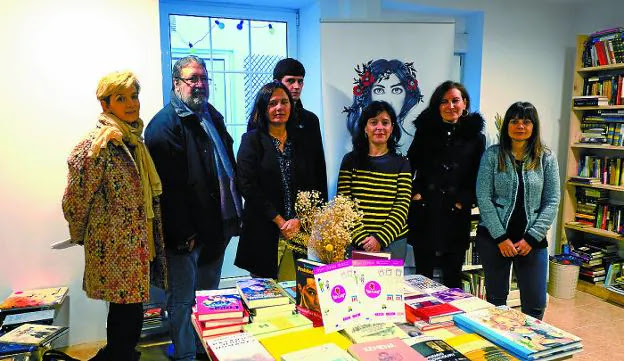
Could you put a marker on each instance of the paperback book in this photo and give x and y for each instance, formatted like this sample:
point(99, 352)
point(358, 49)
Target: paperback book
point(262, 292)
point(374, 331)
point(419, 284)
point(36, 298)
point(307, 294)
point(325, 352)
point(434, 349)
point(476, 348)
point(379, 284)
point(33, 334)
point(42, 317)
point(278, 325)
point(7, 349)
point(218, 304)
point(391, 349)
point(237, 347)
point(302, 339)
point(522, 335)
point(338, 296)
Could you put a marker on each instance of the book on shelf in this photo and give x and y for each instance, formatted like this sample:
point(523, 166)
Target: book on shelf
point(217, 304)
point(584, 180)
point(374, 331)
point(13, 320)
point(522, 335)
point(338, 295)
point(434, 349)
point(33, 334)
point(236, 347)
point(590, 100)
point(324, 352)
point(34, 298)
point(306, 292)
point(204, 331)
point(390, 349)
point(278, 325)
point(294, 341)
point(261, 292)
point(475, 347)
point(379, 283)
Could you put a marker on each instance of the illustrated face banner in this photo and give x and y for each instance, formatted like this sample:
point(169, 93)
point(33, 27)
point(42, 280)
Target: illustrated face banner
point(400, 63)
point(392, 81)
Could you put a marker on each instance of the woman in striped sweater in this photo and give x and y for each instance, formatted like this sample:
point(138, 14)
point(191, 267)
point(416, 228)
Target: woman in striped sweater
point(380, 179)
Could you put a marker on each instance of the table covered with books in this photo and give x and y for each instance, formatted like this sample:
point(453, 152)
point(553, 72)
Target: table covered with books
point(367, 309)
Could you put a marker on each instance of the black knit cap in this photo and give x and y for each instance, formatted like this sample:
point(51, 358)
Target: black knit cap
point(288, 66)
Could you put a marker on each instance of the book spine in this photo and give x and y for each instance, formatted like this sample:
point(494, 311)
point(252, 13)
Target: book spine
point(465, 322)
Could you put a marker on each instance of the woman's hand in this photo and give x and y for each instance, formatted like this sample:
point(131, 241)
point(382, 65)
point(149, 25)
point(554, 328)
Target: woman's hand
point(523, 247)
point(290, 228)
point(371, 244)
point(458, 206)
point(507, 248)
point(417, 197)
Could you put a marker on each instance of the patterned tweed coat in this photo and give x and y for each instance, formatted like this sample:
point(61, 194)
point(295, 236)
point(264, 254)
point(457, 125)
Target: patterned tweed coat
point(103, 204)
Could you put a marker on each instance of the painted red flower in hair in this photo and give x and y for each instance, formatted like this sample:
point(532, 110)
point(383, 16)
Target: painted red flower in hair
point(412, 84)
point(367, 79)
point(357, 90)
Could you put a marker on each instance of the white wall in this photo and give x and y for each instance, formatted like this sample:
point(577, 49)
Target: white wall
point(53, 55)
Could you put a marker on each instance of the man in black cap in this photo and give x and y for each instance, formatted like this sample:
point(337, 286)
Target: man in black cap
point(291, 72)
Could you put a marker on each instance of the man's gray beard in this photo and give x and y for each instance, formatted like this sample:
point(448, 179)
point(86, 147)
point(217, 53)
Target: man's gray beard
point(194, 102)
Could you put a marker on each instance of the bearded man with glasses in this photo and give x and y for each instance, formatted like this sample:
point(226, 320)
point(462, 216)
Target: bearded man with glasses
point(201, 206)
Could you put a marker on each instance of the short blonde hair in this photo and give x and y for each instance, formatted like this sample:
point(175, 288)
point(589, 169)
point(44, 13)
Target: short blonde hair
point(114, 82)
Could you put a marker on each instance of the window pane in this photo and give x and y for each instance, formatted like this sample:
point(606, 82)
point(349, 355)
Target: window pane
point(268, 38)
point(229, 43)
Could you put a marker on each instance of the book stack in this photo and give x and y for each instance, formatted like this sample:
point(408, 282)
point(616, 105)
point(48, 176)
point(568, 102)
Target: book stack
point(604, 47)
point(523, 336)
point(306, 295)
point(435, 349)
point(265, 299)
point(591, 257)
point(374, 332)
point(590, 100)
point(218, 313)
point(415, 285)
point(588, 203)
point(603, 126)
point(475, 347)
point(614, 280)
point(33, 334)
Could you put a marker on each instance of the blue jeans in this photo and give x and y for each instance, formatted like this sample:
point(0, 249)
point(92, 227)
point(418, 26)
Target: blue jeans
point(185, 276)
point(530, 271)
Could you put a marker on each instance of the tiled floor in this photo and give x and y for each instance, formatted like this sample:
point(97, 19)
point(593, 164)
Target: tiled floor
point(598, 323)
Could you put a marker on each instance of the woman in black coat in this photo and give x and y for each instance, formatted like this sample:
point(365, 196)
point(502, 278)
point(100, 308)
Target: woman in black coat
point(272, 168)
point(444, 156)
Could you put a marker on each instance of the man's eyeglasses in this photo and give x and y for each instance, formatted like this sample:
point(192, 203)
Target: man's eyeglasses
point(195, 79)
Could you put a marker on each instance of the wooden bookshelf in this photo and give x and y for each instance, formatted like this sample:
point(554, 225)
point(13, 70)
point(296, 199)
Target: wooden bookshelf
point(597, 186)
point(597, 146)
point(594, 231)
point(572, 231)
point(599, 107)
point(599, 290)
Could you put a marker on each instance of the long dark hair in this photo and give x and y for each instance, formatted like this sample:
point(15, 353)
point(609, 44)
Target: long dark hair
point(360, 141)
point(258, 117)
point(534, 148)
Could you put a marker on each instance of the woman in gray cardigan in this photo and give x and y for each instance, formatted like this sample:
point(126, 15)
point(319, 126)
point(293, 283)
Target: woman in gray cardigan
point(518, 197)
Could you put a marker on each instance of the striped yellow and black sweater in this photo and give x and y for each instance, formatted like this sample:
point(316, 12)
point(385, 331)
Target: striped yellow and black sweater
point(383, 190)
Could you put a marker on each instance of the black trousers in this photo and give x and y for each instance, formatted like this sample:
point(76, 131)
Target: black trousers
point(123, 330)
point(449, 262)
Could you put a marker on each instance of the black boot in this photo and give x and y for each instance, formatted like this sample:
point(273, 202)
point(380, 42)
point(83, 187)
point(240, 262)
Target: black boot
point(100, 356)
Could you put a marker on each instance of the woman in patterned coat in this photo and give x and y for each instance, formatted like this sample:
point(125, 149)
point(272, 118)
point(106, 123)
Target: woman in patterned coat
point(111, 205)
